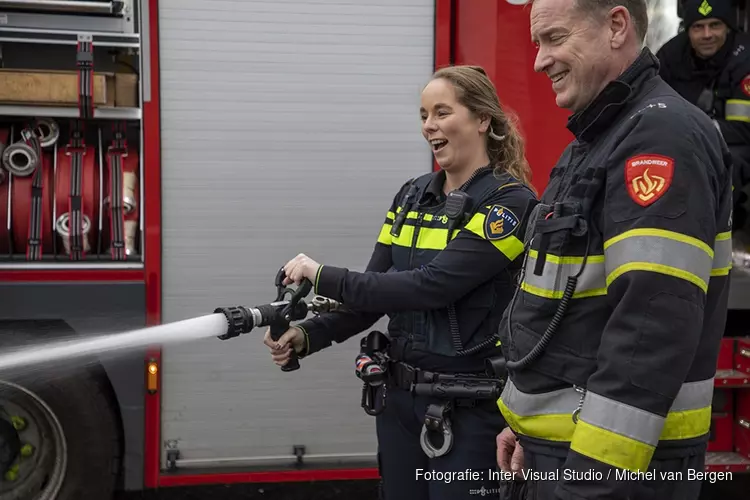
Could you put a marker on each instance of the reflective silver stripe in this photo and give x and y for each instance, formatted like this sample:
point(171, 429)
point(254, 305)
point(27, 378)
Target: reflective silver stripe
point(694, 395)
point(563, 401)
point(723, 252)
point(691, 396)
point(621, 418)
point(659, 251)
point(556, 272)
point(737, 108)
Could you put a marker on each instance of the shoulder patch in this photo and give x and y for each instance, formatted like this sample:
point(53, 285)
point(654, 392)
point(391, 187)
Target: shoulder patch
point(648, 177)
point(500, 223)
point(745, 85)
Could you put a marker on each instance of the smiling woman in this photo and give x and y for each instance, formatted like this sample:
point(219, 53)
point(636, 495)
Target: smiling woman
point(443, 269)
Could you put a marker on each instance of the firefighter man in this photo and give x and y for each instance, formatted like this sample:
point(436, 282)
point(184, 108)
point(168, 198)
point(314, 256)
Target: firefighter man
point(709, 65)
point(612, 340)
point(444, 274)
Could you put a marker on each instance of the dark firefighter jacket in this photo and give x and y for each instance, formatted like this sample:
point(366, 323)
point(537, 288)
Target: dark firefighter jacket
point(442, 297)
point(720, 86)
point(638, 208)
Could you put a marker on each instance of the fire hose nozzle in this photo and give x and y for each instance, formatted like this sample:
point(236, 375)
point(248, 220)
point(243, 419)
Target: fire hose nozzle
point(239, 320)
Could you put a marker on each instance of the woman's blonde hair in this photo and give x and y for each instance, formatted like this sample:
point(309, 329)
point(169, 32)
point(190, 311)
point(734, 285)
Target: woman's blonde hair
point(505, 145)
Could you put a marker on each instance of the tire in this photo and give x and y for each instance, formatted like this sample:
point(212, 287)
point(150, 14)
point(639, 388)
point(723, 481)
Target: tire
point(79, 446)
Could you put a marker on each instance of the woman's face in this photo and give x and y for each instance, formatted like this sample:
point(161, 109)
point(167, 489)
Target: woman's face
point(456, 137)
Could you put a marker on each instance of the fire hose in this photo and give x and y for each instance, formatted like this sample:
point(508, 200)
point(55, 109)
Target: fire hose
point(77, 185)
point(4, 198)
point(278, 314)
point(26, 193)
point(120, 206)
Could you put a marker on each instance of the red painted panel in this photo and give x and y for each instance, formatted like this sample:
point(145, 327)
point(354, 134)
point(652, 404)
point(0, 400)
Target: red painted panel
point(152, 237)
point(269, 477)
point(495, 35)
point(742, 422)
point(443, 32)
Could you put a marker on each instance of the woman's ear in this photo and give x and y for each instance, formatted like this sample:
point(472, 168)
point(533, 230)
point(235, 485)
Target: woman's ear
point(484, 123)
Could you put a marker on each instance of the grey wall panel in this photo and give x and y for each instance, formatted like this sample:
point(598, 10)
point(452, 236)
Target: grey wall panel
point(287, 127)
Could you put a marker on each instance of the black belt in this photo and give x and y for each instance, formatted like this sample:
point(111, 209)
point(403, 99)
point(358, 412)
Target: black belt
point(404, 376)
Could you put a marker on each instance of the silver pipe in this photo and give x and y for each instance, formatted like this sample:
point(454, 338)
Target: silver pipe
point(60, 6)
point(239, 461)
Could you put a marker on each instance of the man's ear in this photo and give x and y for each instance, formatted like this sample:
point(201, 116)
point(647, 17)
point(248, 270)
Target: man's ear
point(619, 21)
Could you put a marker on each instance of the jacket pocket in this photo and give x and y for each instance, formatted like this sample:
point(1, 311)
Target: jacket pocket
point(557, 360)
point(659, 361)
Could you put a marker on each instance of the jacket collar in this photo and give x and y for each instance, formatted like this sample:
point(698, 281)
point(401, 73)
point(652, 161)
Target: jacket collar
point(593, 120)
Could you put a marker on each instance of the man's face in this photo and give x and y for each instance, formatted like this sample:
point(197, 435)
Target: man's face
point(708, 36)
point(574, 51)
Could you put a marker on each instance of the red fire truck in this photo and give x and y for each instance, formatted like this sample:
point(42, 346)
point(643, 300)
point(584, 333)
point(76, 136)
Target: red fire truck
point(162, 158)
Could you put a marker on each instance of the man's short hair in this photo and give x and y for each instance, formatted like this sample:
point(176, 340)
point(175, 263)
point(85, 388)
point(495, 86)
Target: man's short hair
point(637, 8)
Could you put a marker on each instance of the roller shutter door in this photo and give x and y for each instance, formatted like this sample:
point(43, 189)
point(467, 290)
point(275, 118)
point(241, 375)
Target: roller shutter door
point(287, 127)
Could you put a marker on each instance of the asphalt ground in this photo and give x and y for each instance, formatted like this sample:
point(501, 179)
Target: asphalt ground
point(737, 489)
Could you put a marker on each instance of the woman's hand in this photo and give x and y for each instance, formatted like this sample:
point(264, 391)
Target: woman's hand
point(281, 349)
point(299, 268)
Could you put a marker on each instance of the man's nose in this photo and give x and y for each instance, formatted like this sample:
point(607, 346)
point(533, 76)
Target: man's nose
point(542, 60)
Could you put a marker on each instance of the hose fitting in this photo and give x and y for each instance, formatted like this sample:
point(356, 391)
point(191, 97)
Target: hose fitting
point(239, 321)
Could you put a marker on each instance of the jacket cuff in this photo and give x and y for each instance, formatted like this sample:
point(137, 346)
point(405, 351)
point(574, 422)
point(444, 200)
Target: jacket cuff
point(313, 342)
point(330, 282)
point(306, 347)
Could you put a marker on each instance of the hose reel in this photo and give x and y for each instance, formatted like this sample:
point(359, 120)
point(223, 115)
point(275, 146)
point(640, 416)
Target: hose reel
point(63, 229)
point(20, 159)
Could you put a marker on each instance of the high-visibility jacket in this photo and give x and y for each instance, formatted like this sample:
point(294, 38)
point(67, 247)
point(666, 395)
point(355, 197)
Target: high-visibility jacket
point(638, 208)
point(444, 283)
point(720, 86)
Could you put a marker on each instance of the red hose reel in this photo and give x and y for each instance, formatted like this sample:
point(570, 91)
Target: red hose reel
point(67, 194)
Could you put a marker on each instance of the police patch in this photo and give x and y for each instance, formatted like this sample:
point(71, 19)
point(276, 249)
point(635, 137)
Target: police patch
point(500, 223)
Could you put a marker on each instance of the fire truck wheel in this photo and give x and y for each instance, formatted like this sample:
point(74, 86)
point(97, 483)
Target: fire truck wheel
point(69, 432)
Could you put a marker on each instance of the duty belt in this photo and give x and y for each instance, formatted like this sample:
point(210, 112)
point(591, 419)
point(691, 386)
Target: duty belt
point(378, 372)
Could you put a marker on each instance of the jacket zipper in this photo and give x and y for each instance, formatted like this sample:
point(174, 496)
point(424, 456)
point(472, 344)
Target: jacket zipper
point(415, 236)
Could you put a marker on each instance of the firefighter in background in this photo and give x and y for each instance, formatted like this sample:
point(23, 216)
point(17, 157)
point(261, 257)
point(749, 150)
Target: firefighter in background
point(612, 341)
point(444, 298)
point(709, 65)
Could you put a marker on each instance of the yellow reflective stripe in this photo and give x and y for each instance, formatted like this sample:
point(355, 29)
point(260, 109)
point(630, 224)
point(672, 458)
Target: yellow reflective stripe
point(385, 235)
point(722, 263)
point(687, 424)
point(544, 416)
point(551, 284)
point(549, 415)
point(737, 110)
point(611, 448)
point(510, 246)
point(659, 251)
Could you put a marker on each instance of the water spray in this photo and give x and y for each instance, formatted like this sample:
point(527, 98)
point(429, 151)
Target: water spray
point(278, 314)
point(224, 323)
